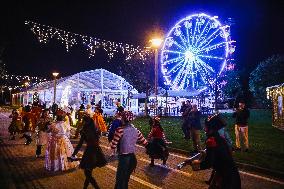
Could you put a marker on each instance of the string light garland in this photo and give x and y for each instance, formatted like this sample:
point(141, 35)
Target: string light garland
point(17, 81)
point(44, 33)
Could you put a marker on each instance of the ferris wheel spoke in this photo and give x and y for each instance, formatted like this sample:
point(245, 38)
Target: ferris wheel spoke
point(208, 42)
point(202, 33)
point(193, 35)
point(177, 79)
point(204, 65)
point(206, 77)
point(210, 36)
point(178, 45)
point(176, 66)
point(181, 36)
point(174, 52)
point(210, 57)
point(185, 76)
point(212, 47)
point(173, 60)
point(187, 37)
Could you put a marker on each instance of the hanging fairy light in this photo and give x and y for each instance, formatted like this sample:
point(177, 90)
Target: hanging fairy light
point(44, 33)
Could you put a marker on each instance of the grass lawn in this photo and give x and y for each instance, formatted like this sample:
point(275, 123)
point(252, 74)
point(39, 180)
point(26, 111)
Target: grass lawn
point(266, 142)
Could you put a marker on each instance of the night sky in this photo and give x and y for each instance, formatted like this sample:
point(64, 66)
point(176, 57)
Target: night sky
point(258, 30)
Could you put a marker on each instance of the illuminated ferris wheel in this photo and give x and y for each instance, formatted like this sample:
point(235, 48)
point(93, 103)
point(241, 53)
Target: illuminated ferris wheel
point(195, 52)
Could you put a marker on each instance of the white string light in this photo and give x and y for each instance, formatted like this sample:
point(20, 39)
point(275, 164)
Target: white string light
point(20, 80)
point(44, 33)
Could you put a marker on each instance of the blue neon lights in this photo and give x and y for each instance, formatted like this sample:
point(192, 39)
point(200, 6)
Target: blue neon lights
point(194, 51)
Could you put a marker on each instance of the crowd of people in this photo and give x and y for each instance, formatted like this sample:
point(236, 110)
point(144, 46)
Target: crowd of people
point(54, 132)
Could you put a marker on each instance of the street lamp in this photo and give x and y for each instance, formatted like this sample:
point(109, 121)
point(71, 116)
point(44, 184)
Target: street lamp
point(26, 85)
point(156, 43)
point(10, 89)
point(55, 74)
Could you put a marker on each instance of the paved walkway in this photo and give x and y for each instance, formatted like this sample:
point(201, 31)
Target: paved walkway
point(20, 169)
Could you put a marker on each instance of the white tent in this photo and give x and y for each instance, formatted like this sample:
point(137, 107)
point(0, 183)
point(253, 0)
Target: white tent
point(92, 86)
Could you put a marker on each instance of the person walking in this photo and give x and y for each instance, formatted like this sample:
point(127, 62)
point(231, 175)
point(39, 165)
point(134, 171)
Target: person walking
point(157, 148)
point(28, 120)
point(16, 124)
point(93, 156)
point(195, 127)
point(241, 125)
point(127, 136)
point(185, 109)
point(41, 131)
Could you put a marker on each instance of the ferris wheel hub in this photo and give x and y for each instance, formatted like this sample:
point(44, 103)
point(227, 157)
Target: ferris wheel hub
point(189, 56)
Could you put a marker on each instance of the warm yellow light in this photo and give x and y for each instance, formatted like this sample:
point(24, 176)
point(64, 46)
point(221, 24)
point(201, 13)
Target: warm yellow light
point(26, 83)
point(55, 74)
point(156, 42)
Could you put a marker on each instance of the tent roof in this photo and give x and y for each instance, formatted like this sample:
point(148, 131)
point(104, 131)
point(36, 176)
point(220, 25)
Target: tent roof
point(96, 80)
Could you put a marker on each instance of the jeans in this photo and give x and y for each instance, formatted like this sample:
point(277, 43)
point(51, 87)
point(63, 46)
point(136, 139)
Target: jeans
point(126, 165)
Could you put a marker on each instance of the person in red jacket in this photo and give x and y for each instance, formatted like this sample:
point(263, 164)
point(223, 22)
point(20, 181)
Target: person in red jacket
point(157, 148)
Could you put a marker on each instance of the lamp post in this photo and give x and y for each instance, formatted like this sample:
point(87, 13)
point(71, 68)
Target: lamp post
point(156, 42)
point(2, 95)
point(10, 89)
point(26, 85)
point(55, 74)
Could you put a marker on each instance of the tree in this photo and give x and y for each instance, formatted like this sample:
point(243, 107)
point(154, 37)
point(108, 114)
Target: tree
point(2, 64)
point(232, 84)
point(268, 73)
point(140, 73)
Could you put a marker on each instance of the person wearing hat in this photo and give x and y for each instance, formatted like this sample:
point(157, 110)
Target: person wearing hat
point(241, 125)
point(225, 173)
point(157, 148)
point(127, 136)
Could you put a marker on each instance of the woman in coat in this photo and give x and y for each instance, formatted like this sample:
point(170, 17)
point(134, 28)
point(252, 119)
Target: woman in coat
point(93, 156)
point(157, 148)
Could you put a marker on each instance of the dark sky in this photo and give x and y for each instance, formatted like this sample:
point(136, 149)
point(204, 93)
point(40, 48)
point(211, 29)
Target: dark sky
point(259, 30)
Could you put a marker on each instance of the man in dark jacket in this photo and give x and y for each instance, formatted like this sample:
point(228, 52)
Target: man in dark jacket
point(241, 126)
point(195, 127)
